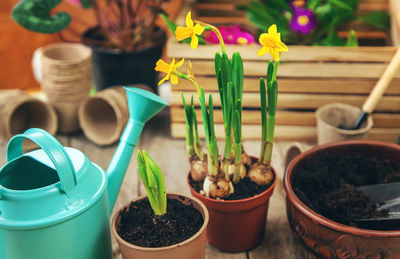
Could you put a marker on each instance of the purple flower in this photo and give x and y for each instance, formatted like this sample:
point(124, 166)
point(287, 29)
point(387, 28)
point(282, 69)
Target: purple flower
point(303, 21)
point(232, 34)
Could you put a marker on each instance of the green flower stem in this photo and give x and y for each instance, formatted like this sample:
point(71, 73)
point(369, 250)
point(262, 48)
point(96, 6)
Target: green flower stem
point(238, 162)
point(264, 117)
point(275, 71)
point(269, 140)
point(189, 128)
point(197, 144)
point(208, 122)
point(181, 75)
point(268, 112)
point(215, 29)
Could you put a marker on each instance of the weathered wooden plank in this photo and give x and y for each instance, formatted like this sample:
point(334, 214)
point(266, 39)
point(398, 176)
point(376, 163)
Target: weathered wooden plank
point(254, 117)
point(395, 19)
point(282, 132)
point(297, 85)
point(286, 133)
point(295, 53)
point(294, 118)
point(299, 101)
point(215, 253)
point(301, 69)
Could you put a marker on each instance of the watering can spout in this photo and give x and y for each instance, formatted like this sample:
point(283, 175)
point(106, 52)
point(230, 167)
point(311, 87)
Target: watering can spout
point(143, 105)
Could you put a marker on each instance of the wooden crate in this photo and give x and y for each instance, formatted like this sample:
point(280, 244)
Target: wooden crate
point(308, 77)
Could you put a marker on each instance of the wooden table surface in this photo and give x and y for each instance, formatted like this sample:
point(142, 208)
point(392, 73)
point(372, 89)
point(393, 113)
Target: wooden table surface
point(170, 154)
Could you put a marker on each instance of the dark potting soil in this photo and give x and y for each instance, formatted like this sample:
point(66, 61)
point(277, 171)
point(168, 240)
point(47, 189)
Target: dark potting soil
point(328, 185)
point(140, 226)
point(243, 190)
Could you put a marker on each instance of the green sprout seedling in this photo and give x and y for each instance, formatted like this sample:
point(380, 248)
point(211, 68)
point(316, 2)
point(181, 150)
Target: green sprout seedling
point(153, 181)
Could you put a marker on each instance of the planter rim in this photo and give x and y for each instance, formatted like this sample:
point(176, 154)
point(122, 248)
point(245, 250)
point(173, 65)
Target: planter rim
point(163, 248)
point(291, 196)
point(119, 51)
point(236, 201)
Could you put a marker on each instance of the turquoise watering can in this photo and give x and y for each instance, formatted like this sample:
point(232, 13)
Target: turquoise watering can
point(54, 202)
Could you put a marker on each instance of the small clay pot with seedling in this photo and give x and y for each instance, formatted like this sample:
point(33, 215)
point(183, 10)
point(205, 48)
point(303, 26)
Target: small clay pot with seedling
point(160, 225)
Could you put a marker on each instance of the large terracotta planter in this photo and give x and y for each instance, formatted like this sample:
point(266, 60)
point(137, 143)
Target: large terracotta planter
point(326, 238)
point(239, 225)
point(192, 248)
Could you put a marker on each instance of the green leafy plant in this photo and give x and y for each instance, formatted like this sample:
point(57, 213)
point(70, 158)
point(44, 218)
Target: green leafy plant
point(225, 171)
point(124, 24)
point(312, 22)
point(153, 181)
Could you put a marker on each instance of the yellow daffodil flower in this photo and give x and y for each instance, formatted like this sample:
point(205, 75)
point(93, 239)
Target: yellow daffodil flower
point(271, 43)
point(169, 69)
point(190, 30)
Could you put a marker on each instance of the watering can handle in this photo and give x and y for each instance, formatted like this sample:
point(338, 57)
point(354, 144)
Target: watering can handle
point(52, 148)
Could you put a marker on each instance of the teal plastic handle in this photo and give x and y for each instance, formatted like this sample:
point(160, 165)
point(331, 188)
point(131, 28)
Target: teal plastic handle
point(54, 150)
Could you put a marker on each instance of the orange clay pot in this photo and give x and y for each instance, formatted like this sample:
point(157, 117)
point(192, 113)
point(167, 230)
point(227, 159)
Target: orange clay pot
point(191, 248)
point(239, 225)
point(328, 239)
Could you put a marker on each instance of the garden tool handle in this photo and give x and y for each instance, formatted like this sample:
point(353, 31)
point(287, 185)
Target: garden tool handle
point(54, 150)
point(380, 88)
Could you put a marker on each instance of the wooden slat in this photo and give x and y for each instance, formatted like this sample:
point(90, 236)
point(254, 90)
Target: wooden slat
point(252, 117)
point(294, 133)
point(302, 70)
point(395, 18)
point(295, 53)
point(298, 85)
point(300, 101)
point(253, 132)
point(293, 118)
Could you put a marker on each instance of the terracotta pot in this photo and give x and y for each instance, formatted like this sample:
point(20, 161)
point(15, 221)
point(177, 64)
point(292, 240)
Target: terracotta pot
point(326, 238)
point(331, 116)
point(239, 225)
point(103, 117)
point(192, 248)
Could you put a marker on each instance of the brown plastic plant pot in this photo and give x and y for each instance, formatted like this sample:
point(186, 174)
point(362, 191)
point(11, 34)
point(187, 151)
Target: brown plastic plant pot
point(191, 248)
point(236, 225)
point(326, 238)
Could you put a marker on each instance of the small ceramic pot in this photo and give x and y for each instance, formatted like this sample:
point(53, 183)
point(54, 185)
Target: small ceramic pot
point(238, 225)
point(328, 239)
point(331, 116)
point(192, 248)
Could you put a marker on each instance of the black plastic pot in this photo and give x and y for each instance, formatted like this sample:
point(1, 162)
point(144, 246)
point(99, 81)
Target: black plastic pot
point(113, 67)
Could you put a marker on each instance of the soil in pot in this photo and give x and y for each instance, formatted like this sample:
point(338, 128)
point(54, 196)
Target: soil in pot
point(243, 190)
point(139, 226)
point(328, 185)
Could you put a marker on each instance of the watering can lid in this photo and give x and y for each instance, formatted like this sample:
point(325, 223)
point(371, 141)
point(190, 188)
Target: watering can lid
point(81, 184)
